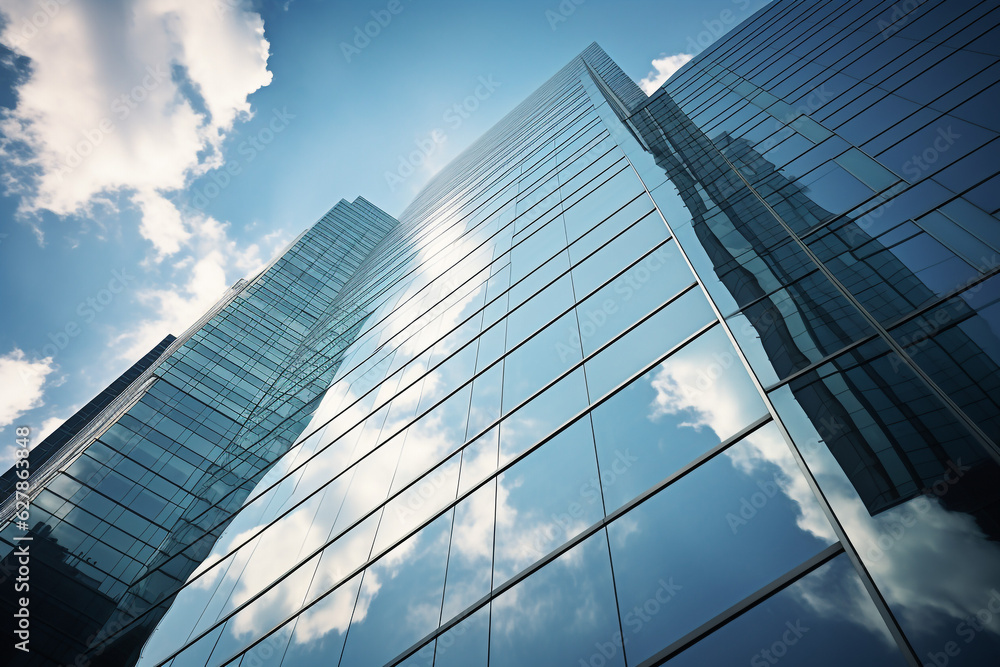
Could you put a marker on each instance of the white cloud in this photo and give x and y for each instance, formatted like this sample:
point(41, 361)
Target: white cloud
point(693, 384)
point(178, 306)
point(131, 98)
point(23, 382)
point(123, 105)
point(662, 70)
point(49, 425)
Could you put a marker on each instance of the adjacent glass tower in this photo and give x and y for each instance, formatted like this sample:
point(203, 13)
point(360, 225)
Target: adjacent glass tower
point(708, 377)
point(126, 508)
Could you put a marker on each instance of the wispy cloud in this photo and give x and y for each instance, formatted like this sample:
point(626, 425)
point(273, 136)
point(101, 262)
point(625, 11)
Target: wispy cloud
point(663, 69)
point(126, 99)
point(23, 381)
point(205, 278)
point(122, 105)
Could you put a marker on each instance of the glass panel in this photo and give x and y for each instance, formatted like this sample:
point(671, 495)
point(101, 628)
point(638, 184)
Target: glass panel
point(470, 561)
point(642, 236)
point(638, 291)
point(694, 400)
point(433, 437)
point(539, 310)
point(826, 619)
point(867, 170)
point(196, 655)
point(530, 253)
point(479, 460)
point(957, 343)
point(485, 407)
point(811, 129)
point(538, 510)
point(418, 503)
point(710, 539)
point(643, 344)
point(564, 614)
point(341, 558)
point(914, 491)
point(797, 326)
point(538, 279)
point(400, 598)
point(554, 407)
point(318, 637)
point(601, 203)
point(528, 368)
point(264, 613)
point(271, 651)
point(369, 484)
point(467, 644)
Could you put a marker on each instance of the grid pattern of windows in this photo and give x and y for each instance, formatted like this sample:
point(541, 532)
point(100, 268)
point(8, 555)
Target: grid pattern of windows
point(129, 515)
point(577, 430)
point(699, 378)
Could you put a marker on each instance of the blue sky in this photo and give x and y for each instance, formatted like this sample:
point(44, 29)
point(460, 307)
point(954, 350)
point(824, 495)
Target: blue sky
point(152, 153)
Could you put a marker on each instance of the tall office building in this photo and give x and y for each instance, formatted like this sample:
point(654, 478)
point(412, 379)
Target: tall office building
point(707, 377)
point(131, 502)
point(82, 418)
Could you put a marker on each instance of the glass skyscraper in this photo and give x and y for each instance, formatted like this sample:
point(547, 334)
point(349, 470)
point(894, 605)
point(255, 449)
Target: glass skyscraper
point(132, 501)
point(56, 440)
point(707, 377)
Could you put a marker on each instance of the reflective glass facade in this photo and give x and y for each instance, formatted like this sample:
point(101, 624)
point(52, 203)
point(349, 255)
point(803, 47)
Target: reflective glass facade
point(83, 417)
point(702, 378)
point(130, 505)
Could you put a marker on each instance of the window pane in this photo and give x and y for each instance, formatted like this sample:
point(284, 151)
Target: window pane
point(528, 368)
point(710, 539)
point(400, 598)
point(537, 510)
point(694, 400)
point(560, 614)
point(554, 407)
point(826, 619)
point(470, 560)
point(630, 353)
point(630, 296)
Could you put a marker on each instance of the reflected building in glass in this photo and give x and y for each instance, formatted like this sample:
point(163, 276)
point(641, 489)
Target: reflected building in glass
point(698, 378)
